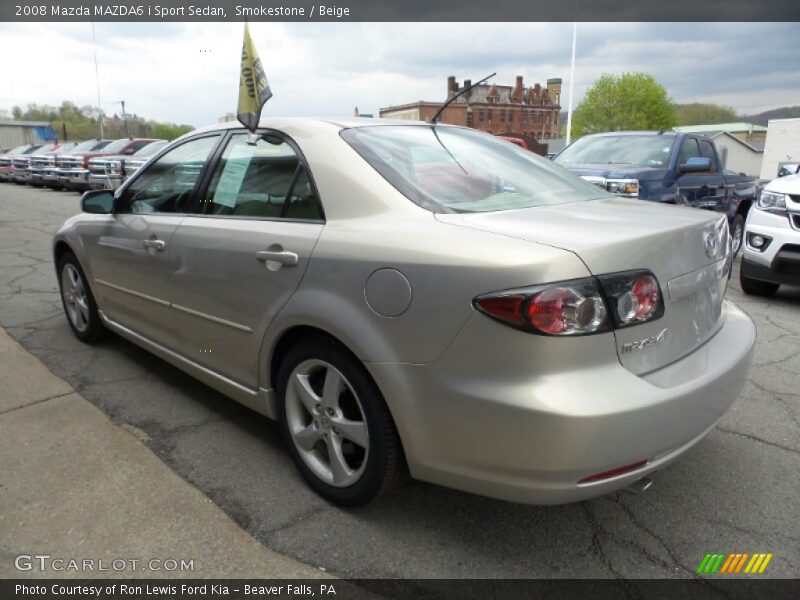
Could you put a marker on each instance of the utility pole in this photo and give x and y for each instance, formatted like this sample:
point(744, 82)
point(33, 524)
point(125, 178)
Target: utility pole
point(124, 116)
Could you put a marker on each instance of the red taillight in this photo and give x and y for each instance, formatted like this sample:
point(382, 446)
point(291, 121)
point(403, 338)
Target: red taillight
point(613, 472)
point(634, 296)
point(572, 308)
point(578, 307)
point(507, 308)
point(545, 310)
point(645, 289)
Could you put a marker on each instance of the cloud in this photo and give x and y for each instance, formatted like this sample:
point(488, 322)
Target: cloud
point(188, 72)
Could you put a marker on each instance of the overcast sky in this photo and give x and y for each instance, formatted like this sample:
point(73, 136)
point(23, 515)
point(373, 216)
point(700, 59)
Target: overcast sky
point(188, 73)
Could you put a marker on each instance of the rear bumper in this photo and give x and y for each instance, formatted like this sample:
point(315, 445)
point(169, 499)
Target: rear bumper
point(533, 437)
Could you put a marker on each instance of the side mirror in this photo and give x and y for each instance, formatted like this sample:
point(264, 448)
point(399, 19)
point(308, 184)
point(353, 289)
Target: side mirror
point(696, 164)
point(98, 202)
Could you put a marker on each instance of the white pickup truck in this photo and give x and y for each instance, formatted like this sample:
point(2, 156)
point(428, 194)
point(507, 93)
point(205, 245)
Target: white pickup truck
point(772, 239)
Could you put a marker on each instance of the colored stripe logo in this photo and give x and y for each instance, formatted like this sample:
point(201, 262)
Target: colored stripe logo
point(734, 563)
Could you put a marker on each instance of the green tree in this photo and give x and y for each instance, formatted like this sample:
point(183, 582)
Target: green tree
point(72, 122)
point(631, 101)
point(698, 113)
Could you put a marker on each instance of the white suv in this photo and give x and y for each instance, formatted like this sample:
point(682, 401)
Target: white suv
point(772, 239)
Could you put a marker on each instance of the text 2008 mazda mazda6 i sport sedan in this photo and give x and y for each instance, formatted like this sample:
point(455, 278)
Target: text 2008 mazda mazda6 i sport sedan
point(407, 297)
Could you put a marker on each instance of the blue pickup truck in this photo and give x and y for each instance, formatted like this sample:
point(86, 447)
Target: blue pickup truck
point(669, 167)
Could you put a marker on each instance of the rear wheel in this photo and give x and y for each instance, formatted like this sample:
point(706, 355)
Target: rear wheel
point(78, 301)
point(755, 287)
point(336, 424)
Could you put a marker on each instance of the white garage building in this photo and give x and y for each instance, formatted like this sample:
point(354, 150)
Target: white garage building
point(783, 146)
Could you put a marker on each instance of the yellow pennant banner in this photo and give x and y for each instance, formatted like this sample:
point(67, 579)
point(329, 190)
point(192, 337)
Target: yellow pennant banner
point(253, 85)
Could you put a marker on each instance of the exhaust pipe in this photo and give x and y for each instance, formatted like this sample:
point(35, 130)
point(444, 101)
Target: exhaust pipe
point(640, 486)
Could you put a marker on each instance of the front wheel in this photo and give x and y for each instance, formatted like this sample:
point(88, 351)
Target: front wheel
point(737, 235)
point(336, 424)
point(78, 301)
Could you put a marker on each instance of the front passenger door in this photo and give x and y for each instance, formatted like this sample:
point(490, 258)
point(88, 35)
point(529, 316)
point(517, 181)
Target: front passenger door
point(130, 250)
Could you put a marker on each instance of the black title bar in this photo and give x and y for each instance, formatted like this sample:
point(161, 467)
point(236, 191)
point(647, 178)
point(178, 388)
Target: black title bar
point(741, 588)
point(401, 10)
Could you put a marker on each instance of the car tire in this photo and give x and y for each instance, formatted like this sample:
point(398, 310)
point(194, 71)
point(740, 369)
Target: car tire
point(756, 287)
point(79, 304)
point(351, 422)
point(737, 235)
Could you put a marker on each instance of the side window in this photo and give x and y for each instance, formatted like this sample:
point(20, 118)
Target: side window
point(688, 150)
point(261, 178)
point(167, 184)
point(708, 152)
point(303, 202)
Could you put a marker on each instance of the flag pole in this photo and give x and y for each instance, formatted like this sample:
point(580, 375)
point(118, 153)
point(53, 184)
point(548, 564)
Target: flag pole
point(97, 80)
point(571, 81)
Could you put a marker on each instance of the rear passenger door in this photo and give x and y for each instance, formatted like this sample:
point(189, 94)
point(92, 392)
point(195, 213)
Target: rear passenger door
point(242, 252)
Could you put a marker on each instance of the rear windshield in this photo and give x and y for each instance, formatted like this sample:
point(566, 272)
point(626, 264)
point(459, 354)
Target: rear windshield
point(639, 150)
point(451, 169)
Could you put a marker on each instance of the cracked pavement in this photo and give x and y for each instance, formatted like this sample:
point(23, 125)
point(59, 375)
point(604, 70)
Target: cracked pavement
point(735, 491)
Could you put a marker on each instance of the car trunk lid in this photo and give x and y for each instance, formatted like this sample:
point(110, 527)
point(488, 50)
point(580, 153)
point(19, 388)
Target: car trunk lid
point(686, 249)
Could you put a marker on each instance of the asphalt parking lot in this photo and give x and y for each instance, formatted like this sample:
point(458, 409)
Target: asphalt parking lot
point(737, 491)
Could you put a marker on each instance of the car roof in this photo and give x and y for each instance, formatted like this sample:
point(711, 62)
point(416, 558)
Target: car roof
point(321, 122)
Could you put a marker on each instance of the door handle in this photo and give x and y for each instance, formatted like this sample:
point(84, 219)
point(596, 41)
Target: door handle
point(157, 245)
point(283, 257)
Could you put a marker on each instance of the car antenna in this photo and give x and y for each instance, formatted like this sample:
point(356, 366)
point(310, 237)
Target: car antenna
point(435, 117)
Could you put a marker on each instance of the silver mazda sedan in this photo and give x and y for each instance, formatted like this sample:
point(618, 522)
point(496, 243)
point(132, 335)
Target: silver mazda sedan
point(409, 298)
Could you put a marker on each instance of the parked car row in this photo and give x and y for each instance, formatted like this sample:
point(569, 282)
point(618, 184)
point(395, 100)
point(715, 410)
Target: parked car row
point(95, 164)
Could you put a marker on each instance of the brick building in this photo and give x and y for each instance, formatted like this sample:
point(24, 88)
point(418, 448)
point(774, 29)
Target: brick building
point(532, 111)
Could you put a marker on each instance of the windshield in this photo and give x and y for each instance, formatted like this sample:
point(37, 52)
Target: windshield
point(18, 150)
point(640, 150)
point(86, 146)
point(150, 149)
point(450, 169)
point(44, 149)
point(115, 147)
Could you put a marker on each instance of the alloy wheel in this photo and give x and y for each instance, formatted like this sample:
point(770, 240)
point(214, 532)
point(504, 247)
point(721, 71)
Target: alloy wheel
point(76, 301)
point(737, 237)
point(327, 423)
